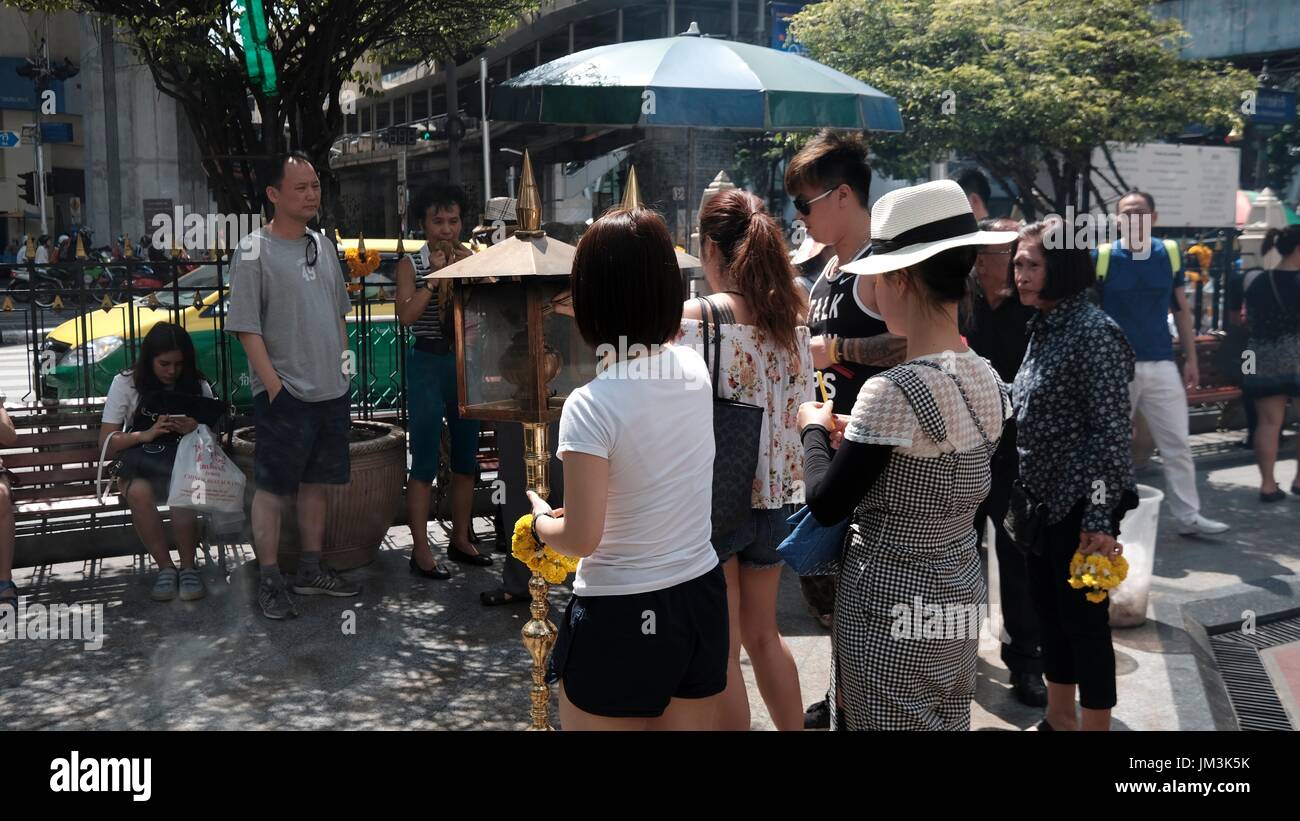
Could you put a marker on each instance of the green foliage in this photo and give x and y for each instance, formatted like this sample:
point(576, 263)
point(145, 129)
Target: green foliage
point(1021, 84)
point(196, 56)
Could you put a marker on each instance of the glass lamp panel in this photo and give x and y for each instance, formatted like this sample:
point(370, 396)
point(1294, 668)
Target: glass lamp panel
point(568, 356)
point(497, 373)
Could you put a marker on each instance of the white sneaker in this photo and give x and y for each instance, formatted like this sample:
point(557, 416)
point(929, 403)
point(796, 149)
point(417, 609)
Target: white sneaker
point(1201, 526)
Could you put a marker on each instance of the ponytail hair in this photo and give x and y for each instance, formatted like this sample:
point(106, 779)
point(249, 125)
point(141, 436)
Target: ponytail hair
point(1285, 240)
point(756, 262)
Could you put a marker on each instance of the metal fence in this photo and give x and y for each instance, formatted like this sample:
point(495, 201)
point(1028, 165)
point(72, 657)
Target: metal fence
point(1208, 298)
point(82, 322)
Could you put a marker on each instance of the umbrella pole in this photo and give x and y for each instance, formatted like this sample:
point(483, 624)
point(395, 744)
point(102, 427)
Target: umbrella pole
point(690, 190)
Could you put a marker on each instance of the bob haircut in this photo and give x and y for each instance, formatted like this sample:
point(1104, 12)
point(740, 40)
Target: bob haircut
point(1068, 271)
point(625, 279)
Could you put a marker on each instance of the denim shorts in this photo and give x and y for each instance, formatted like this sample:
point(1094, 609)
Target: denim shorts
point(431, 397)
point(756, 541)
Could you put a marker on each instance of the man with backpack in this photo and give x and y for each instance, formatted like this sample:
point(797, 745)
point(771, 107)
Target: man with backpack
point(1140, 282)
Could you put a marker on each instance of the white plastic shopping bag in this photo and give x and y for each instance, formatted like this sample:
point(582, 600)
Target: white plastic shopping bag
point(204, 478)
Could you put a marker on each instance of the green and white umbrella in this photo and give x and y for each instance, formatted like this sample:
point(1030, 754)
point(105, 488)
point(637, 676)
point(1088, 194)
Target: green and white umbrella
point(693, 81)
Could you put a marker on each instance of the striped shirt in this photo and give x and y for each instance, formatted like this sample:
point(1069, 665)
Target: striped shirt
point(429, 323)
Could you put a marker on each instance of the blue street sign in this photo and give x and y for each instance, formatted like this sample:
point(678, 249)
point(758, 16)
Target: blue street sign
point(1273, 105)
point(8, 139)
point(56, 132)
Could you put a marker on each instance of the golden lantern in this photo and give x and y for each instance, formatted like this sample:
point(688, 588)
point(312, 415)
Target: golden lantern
point(518, 356)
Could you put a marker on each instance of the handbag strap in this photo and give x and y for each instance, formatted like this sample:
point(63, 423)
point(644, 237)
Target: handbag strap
point(99, 474)
point(1272, 280)
point(707, 318)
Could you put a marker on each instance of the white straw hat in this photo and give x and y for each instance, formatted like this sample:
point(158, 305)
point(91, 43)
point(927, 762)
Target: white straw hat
point(913, 224)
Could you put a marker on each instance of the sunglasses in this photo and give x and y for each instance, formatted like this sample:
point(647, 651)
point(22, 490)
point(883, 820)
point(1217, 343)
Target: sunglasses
point(312, 251)
point(804, 206)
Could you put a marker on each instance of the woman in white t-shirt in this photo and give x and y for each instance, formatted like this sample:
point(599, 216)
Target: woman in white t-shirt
point(765, 360)
point(144, 443)
point(643, 644)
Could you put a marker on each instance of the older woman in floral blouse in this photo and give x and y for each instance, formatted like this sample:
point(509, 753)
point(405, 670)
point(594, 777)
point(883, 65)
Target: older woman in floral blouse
point(1073, 438)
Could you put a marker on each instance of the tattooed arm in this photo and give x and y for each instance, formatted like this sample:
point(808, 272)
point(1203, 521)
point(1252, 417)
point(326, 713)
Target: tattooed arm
point(882, 350)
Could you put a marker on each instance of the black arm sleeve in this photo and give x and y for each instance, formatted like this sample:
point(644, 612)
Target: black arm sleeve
point(835, 484)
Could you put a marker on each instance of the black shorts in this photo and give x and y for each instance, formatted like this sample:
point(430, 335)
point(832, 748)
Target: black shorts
point(152, 462)
point(628, 656)
point(300, 442)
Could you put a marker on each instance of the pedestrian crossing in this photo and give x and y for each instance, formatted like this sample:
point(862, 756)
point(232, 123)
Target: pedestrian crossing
point(16, 374)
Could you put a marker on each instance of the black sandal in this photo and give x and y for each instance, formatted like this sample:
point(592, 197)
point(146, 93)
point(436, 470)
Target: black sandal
point(495, 598)
point(457, 555)
point(438, 572)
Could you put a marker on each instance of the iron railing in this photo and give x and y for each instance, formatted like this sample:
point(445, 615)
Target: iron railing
point(83, 321)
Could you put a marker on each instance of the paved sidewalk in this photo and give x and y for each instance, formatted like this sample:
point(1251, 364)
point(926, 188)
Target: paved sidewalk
point(426, 655)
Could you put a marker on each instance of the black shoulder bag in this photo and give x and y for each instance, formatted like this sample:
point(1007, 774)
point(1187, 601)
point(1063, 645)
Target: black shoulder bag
point(737, 428)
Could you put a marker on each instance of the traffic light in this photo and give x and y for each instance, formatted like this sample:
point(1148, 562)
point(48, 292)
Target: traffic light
point(27, 187)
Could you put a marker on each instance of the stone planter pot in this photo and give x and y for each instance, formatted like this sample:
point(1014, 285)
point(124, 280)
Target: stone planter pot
point(359, 513)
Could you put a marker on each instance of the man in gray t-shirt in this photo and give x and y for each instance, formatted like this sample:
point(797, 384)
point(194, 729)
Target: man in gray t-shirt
point(288, 306)
point(292, 295)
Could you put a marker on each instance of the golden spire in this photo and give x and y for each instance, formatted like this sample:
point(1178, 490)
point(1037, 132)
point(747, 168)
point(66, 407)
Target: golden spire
point(631, 191)
point(31, 247)
point(81, 246)
point(361, 245)
point(528, 207)
point(401, 249)
point(126, 247)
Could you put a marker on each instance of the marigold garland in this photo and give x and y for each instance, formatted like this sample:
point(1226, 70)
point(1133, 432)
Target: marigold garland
point(1098, 572)
point(359, 267)
point(539, 558)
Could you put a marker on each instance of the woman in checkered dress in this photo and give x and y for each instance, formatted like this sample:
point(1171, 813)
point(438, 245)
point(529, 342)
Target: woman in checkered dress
point(909, 468)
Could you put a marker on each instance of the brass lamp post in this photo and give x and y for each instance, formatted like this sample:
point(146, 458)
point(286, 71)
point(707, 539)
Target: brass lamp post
point(517, 360)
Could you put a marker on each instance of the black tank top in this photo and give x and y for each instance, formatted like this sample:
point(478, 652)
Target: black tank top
point(834, 311)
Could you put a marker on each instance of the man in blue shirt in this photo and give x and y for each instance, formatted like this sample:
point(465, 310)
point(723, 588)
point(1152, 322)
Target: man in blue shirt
point(1139, 285)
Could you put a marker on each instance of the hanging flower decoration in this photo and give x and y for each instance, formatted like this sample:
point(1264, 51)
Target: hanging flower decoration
point(1098, 572)
point(359, 266)
point(539, 558)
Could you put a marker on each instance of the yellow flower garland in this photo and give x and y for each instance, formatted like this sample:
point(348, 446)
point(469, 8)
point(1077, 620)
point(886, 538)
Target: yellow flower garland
point(1098, 572)
point(359, 267)
point(539, 558)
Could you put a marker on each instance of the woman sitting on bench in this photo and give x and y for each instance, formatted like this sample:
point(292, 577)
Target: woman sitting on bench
point(145, 447)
